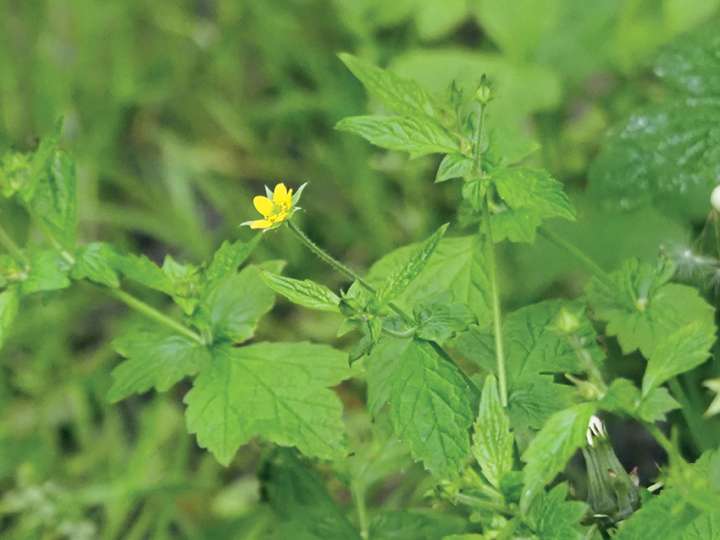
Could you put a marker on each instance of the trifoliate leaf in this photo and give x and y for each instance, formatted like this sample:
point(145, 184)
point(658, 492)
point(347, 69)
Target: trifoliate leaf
point(623, 397)
point(278, 391)
point(47, 271)
point(304, 508)
point(492, 440)
point(455, 271)
point(156, 358)
point(305, 293)
point(9, 306)
point(655, 405)
point(431, 404)
point(440, 320)
point(401, 95)
point(227, 260)
point(530, 196)
point(142, 270)
point(399, 280)
point(553, 447)
point(681, 351)
point(669, 151)
point(642, 308)
point(95, 262)
point(418, 525)
point(235, 306)
point(416, 135)
point(454, 166)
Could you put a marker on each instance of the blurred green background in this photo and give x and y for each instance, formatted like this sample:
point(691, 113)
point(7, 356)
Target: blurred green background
point(177, 112)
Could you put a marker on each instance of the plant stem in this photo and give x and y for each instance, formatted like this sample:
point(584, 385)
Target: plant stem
point(576, 252)
point(152, 313)
point(340, 267)
point(490, 254)
point(496, 307)
point(12, 248)
point(701, 436)
point(358, 494)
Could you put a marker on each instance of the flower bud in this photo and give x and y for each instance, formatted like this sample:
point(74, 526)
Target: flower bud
point(612, 493)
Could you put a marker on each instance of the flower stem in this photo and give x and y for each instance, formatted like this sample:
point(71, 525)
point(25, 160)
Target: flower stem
point(358, 494)
point(340, 267)
point(152, 313)
point(12, 248)
point(576, 252)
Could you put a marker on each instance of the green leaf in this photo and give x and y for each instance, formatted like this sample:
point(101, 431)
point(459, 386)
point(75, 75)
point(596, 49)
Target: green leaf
point(9, 306)
point(553, 447)
point(95, 262)
point(431, 404)
point(416, 135)
point(305, 293)
point(417, 525)
point(669, 151)
point(398, 281)
point(439, 321)
point(235, 306)
point(142, 270)
point(655, 405)
point(705, 526)
point(455, 272)
point(301, 502)
point(454, 166)
point(226, 260)
point(531, 196)
point(492, 440)
point(278, 391)
point(156, 358)
point(681, 351)
point(642, 308)
point(401, 95)
point(47, 272)
point(552, 516)
point(532, 401)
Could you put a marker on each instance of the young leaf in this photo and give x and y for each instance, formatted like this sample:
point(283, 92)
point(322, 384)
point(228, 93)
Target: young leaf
point(456, 271)
point(681, 351)
point(156, 358)
point(416, 135)
point(305, 293)
point(235, 306)
point(95, 262)
point(553, 447)
point(552, 516)
point(431, 404)
point(492, 440)
point(185, 283)
point(531, 196)
point(396, 283)
point(47, 272)
point(642, 308)
point(142, 270)
point(623, 397)
point(303, 506)
point(279, 391)
point(226, 260)
point(9, 305)
point(454, 166)
point(655, 405)
point(403, 96)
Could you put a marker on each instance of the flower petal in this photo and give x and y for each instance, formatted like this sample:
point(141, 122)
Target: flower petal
point(263, 205)
point(281, 195)
point(260, 224)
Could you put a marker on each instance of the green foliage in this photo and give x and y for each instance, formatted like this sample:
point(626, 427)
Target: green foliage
point(96, 262)
point(305, 293)
point(276, 390)
point(492, 440)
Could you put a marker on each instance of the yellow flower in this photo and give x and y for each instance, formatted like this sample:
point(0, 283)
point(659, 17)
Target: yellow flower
point(275, 208)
